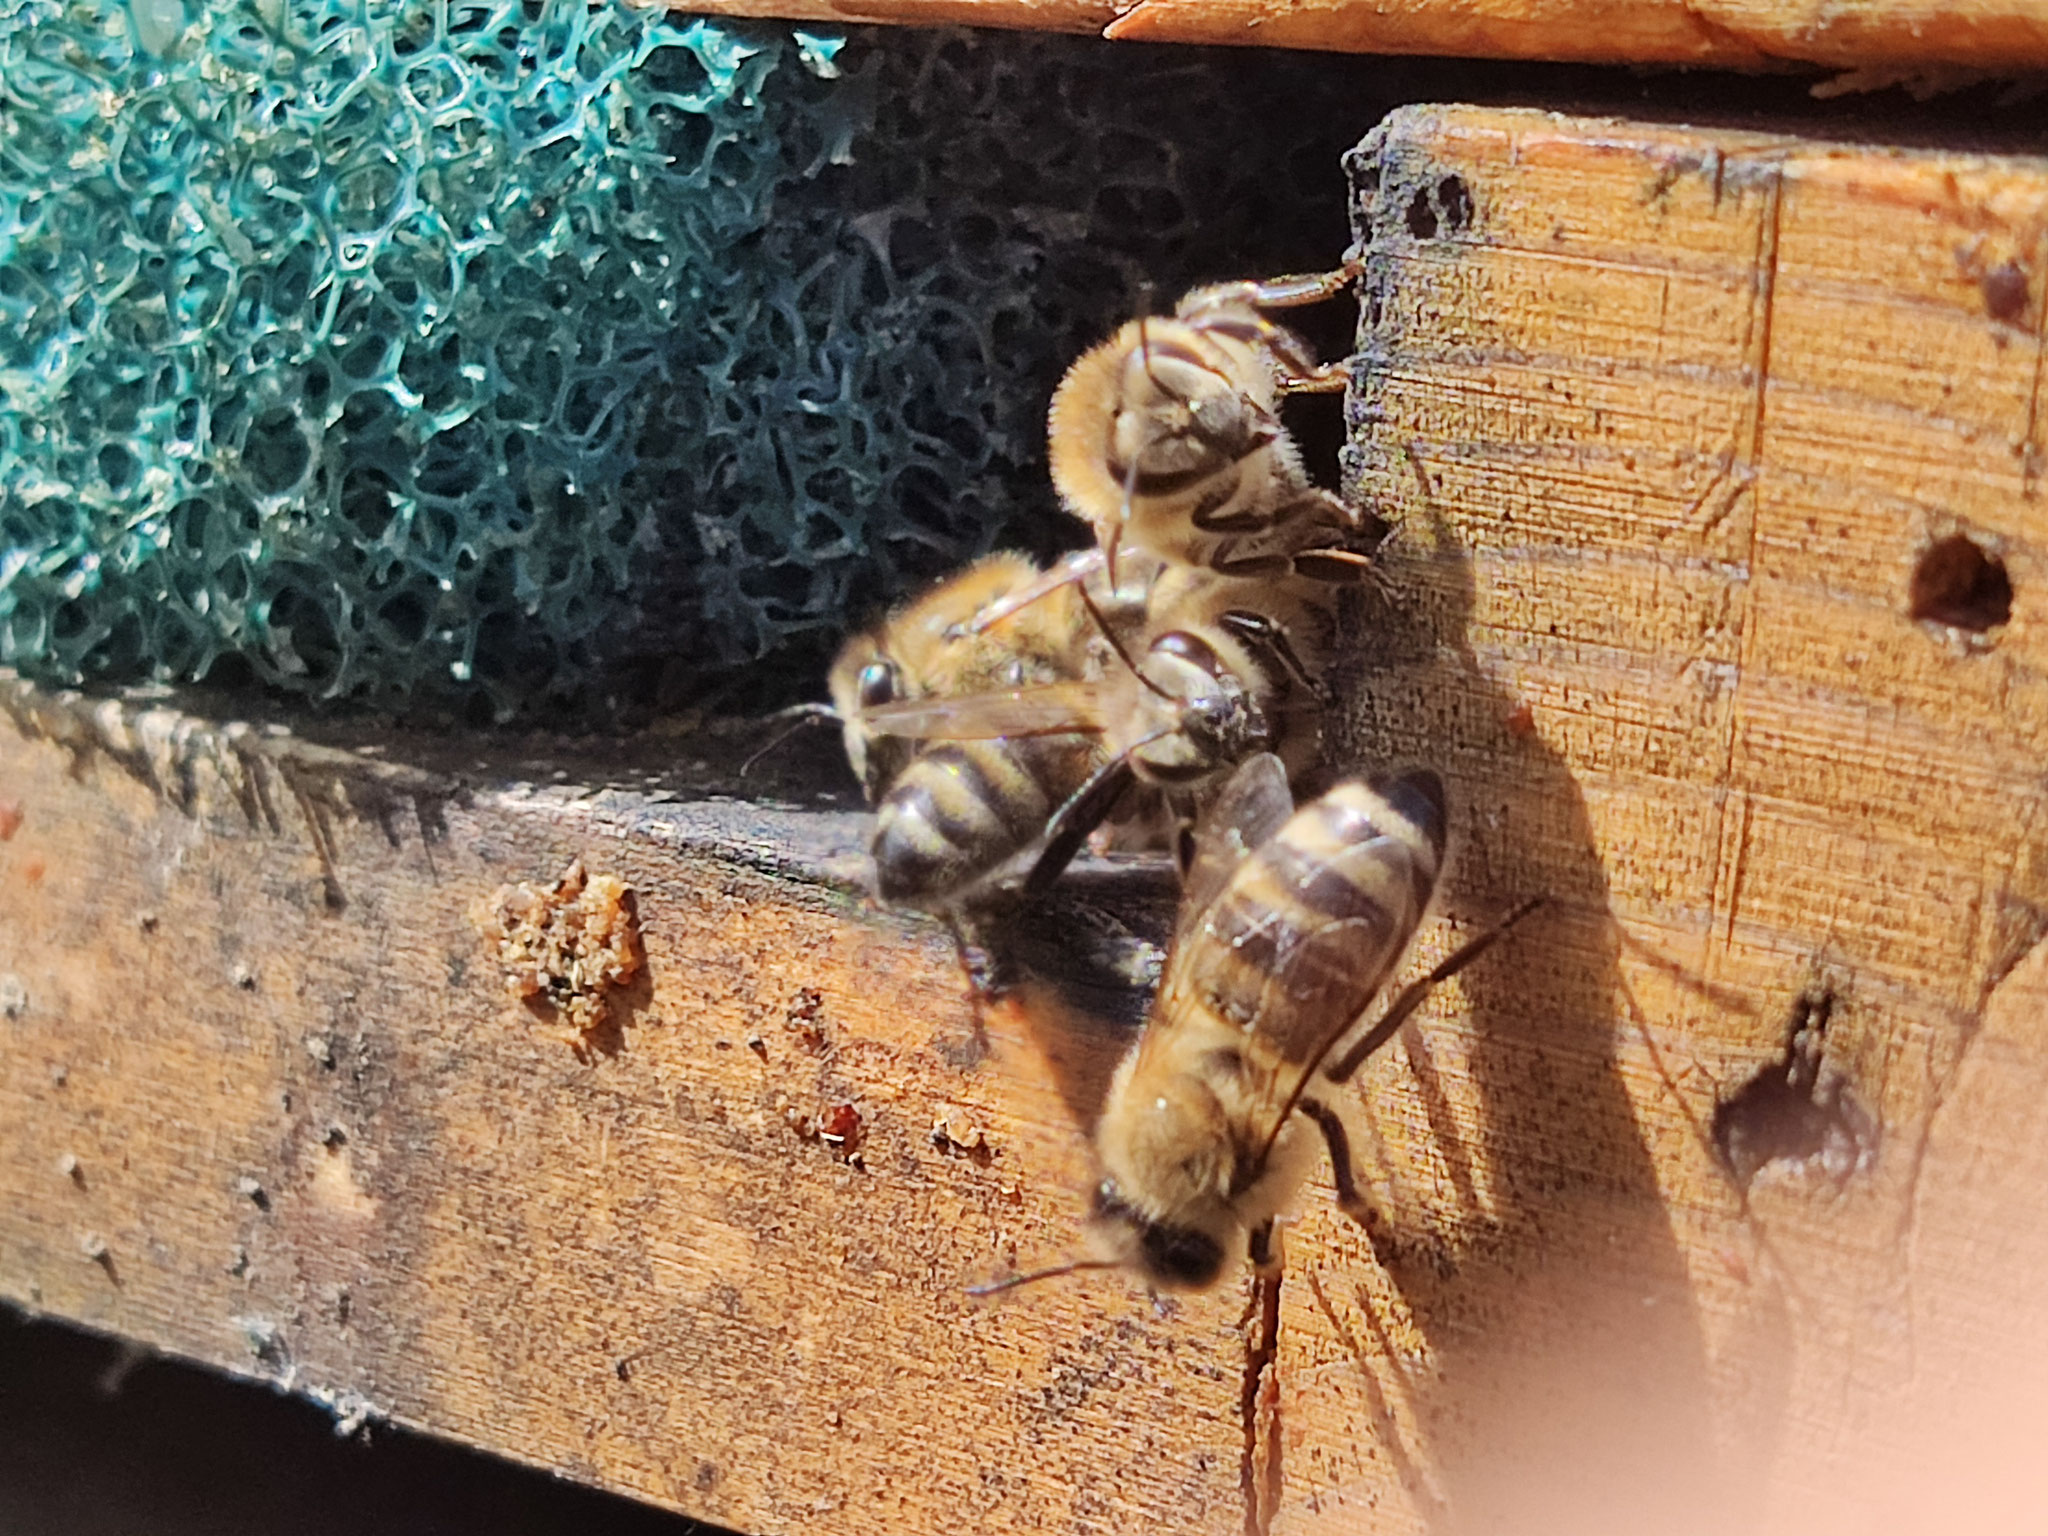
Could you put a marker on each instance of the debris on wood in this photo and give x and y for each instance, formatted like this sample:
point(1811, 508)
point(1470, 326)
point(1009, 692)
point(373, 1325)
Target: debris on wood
point(567, 947)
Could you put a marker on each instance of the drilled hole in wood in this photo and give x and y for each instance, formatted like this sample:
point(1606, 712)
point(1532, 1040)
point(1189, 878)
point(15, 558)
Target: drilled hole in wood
point(1960, 584)
point(1796, 1111)
point(1421, 217)
point(1455, 199)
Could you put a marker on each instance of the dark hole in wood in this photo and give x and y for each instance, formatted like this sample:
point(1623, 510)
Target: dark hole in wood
point(2005, 292)
point(1455, 199)
point(1962, 585)
point(1421, 217)
point(1793, 1111)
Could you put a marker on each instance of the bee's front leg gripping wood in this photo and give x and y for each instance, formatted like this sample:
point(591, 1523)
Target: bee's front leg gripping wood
point(1721, 599)
point(266, 1102)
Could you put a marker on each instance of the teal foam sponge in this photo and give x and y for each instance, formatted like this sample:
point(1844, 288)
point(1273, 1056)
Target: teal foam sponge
point(344, 339)
point(557, 355)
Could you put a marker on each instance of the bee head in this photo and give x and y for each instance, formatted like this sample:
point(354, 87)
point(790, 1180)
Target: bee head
point(1228, 725)
point(863, 678)
point(1217, 721)
point(1171, 1258)
point(1230, 424)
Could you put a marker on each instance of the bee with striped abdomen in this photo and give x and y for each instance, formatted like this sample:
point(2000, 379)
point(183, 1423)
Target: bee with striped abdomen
point(952, 805)
point(1291, 924)
point(1167, 437)
point(933, 646)
point(1218, 675)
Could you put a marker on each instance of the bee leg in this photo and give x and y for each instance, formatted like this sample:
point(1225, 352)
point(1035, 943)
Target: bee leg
point(1075, 568)
point(1322, 379)
point(1228, 564)
point(987, 966)
point(1271, 638)
point(1350, 1199)
point(1085, 810)
point(1275, 292)
point(1263, 1249)
point(1336, 567)
point(1411, 996)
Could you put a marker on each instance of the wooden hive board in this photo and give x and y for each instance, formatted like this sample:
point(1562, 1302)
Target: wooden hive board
point(1880, 40)
point(266, 1101)
point(1669, 418)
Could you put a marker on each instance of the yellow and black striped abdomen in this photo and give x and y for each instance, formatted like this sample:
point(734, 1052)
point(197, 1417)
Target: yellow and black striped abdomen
point(1307, 928)
point(961, 808)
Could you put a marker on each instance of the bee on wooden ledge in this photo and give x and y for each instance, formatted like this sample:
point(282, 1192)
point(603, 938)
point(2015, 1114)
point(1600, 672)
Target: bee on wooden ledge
point(1291, 923)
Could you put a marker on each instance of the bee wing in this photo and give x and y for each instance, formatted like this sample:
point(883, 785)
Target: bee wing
point(1299, 939)
point(1076, 567)
point(1045, 710)
point(1252, 805)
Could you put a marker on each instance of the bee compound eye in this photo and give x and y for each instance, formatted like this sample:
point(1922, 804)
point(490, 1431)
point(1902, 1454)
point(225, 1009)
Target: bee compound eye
point(1180, 1256)
point(877, 684)
point(1190, 648)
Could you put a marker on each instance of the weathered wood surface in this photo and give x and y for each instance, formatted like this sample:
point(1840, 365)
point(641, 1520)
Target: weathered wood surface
point(1998, 35)
point(1909, 38)
point(266, 1102)
point(1670, 419)
point(1014, 15)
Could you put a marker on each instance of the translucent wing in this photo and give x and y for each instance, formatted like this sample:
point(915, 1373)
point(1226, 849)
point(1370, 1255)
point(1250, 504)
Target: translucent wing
point(1045, 710)
point(1300, 936)
point(1082, 566)
point(1252, 805)
point(1371, 899)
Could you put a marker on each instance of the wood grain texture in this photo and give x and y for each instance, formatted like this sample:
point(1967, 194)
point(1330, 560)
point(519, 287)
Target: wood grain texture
point(1669, 418)
point(2002, 36)
point(265, 1101)
point(1011, 15)
point(1912, 37)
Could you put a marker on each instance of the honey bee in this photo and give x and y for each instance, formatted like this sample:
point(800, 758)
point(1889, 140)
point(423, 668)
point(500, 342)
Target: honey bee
point(1292, 922)
point(1167, 437)
point(932, 645)
point(953, 806)
point(1216, 681)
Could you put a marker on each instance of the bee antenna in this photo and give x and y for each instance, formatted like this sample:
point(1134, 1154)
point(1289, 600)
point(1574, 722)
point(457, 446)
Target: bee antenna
point(1115, 644)
point(800, 715)
point(1145, 355)
point(1131, 484)
point(1072, 1266)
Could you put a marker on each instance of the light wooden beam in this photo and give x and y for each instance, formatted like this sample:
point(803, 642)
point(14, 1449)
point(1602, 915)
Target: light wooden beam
point(1881, 40)
point(266, 1101)
point(1673, 423)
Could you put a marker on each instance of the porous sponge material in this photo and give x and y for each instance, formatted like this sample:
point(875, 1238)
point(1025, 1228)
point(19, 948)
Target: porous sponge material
point(336, 335)
point(506, 354)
